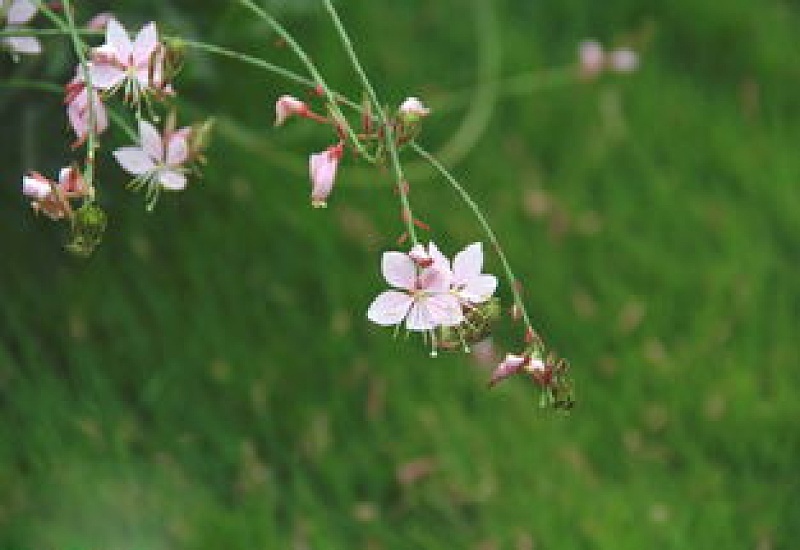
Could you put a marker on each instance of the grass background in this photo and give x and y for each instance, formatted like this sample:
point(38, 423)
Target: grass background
point(207, 379)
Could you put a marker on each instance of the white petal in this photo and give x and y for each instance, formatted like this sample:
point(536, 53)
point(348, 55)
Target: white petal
point(21, 11)
point(118, 39)
point(389, 308)
point(105, 75)
point(171, 180)
point(24, 44)
point(468, 263)
point(434, 280)
point(34, 188)
point(419, 318)
point(479, 289)
point(444, 309)
point(177, 149)
point(145, 44)
point(399, 270)
point(134, 160)
point(440, 261)
point(151, 140)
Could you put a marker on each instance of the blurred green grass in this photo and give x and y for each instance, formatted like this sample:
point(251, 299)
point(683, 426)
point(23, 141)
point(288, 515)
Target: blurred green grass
point(208, 380)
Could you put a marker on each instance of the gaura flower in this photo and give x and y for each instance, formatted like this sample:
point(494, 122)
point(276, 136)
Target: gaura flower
point(322, 167)
point(100, 21)
point(52, 198)
point(287, 106)
point(412, 109)
point(16, 13)
point(423, 298)
point(158, 161)
point(77, 101)
point(137, 66)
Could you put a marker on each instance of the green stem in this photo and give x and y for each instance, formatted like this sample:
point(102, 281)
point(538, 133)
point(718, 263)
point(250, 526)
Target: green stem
point(389, 138)
point(312, 70)
point(472, 205)
point(69, 27)
point(22, 31)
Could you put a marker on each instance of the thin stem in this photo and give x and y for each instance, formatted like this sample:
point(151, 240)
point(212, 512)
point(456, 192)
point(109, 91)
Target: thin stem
point(23, 31)
point(472, 205)
point(391, 145)
point(68, 25)
point(312, 69)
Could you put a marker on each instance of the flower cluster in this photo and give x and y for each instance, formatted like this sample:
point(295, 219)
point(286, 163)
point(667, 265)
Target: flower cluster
point(594, 59)
point(138, 69)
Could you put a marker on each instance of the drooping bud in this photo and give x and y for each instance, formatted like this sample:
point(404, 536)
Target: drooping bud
point(323, 173)
point(509, 366)
point(287, 106)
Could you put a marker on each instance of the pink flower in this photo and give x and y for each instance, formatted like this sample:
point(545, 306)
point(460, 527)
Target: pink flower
point(158, 161)
point(16, 13)
point(515, 364)
point(423, 298)
point(624, 60)
point(412, 109)
point(287, 106)
point(51, 198)
point(430, 257)
point(137, 66)
point(323, 173)
point(77, 101)
point(592, 58)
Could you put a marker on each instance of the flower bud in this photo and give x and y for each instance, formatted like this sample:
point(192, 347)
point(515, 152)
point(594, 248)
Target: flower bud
point(88, 226)
point(287, 106)
point(412, 110)
point(323, 173)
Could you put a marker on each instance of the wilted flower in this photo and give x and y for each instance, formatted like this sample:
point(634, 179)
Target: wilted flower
point(412, 109)
point(423, 300)
point(287, 106)
point(16, 13)
point(158, 162)
point(77, 101)
point(52, 198)
point(137, 66)
point(322, 167)
point(515, 364)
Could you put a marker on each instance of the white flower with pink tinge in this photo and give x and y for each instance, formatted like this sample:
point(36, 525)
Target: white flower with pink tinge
point(158, 161)
point(137, 66)
point(422, 299)
point(16, 13)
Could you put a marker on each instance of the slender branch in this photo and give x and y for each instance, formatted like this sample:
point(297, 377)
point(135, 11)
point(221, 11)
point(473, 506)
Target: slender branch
point(391, 144)
point(312, 69)
point(472, 205)
point(23, 31)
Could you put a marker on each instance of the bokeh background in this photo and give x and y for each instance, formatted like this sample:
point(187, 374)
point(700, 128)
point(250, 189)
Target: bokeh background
point(208, 379)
